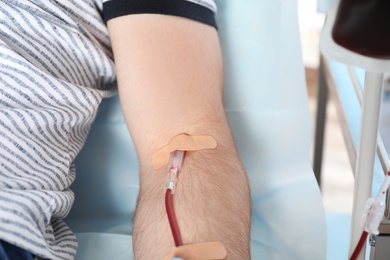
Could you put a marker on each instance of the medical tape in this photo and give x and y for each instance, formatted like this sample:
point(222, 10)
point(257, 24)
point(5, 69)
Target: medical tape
point(200, 251)
point(182, 142)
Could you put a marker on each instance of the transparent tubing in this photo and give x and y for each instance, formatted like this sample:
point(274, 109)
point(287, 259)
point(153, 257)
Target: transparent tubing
point(174, 166)
point(372, 98)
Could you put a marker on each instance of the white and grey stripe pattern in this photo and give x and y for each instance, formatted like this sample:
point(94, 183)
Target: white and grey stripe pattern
point(55, 67)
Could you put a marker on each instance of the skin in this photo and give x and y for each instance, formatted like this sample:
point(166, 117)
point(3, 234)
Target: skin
point(170, 80)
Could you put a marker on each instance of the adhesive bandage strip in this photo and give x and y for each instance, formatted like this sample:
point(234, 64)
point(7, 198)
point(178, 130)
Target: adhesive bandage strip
point(208, 250)
point(182, 142)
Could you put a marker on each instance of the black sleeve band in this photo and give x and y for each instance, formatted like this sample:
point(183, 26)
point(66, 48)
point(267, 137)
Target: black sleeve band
point(116, 8)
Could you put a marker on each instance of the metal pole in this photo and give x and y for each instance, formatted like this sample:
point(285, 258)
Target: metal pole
point(372, 97)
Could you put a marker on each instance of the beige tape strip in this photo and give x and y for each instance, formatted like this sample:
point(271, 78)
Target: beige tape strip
point(201, 251)
point(182, 142)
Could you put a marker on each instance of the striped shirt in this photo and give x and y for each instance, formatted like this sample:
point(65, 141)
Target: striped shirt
point(55, 67)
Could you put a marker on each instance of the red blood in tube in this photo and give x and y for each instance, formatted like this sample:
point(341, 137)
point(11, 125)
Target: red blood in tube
point(363, 26)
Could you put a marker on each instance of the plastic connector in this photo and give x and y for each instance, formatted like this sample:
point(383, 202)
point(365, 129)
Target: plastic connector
point(174, 166)
point(372, 216)
point(375, 209)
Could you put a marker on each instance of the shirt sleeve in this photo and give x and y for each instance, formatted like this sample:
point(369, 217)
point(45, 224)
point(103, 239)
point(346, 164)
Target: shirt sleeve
point(199, 10)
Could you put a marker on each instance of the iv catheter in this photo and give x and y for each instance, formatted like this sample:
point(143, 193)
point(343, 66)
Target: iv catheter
point(174, 166)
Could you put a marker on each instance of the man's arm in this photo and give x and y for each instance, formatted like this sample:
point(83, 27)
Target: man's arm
point(170, 82)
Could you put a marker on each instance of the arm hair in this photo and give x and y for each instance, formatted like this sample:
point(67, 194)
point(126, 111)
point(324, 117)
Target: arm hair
point(170, 82)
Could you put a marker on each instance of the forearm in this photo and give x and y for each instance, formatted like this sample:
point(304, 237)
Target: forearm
point(212, 203)
point(170, 82)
